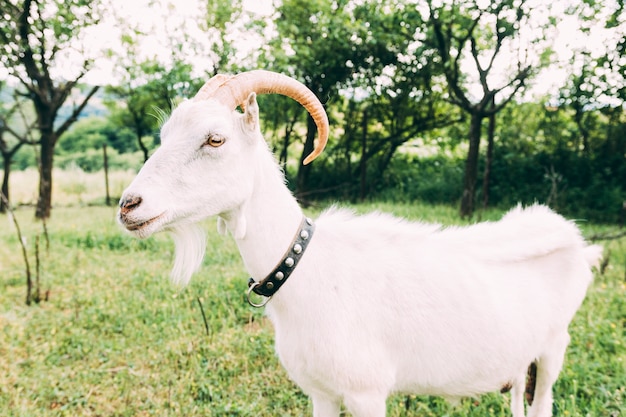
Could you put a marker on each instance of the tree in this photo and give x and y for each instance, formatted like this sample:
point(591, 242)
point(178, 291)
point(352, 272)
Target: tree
point(581, 95)
point(597, 83)
point(306, 32)
point(483, 31)
point(379, 83)
point(220, 18)
point(94, 132)
point(404, 91)
point(137, 104)
point(400, 107)
point(36, 36)
point(147, 86)
point(9, 115)
point(361, 38)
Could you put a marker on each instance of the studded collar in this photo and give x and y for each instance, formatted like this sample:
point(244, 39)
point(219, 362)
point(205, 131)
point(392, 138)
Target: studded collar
point(268, 286)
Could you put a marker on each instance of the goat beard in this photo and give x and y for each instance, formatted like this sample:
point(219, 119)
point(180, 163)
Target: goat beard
point(190, 242)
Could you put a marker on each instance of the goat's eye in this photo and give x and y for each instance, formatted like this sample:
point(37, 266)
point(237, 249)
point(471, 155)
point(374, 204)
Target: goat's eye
point(214, 140)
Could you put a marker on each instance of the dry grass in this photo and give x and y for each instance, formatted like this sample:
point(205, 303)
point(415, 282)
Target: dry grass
point(69, 187)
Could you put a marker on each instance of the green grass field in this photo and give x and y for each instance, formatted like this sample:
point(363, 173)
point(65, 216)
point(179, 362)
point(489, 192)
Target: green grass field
point(116, 338)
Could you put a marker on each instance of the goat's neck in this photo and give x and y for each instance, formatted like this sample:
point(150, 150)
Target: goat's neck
point(271, 218)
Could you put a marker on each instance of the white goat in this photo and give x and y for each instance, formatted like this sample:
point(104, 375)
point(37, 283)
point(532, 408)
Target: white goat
point(376, 305)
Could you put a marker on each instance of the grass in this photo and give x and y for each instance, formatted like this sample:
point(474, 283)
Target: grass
point(117, 339)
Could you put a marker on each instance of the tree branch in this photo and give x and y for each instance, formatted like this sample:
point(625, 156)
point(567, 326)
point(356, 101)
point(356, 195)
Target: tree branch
point(28, 59)
point(451, 68)
point(77, 110)
point(608, 236)
point(20, 238)
point(520, 79)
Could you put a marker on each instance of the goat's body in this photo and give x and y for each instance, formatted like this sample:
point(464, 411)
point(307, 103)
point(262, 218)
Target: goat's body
point(452, 312)
point(376, 305)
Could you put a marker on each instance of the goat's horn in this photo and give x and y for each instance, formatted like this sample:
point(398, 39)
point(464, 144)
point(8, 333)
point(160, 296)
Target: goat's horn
point(234, 91)
point(211, 86)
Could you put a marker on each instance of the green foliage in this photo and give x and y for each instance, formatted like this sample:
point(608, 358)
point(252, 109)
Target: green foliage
point(92, 133)
point(566, 181)
point(117, 339)
point(219, 17)
point(82, 146)
point(538, 156)
point(435, 180)
point(60, 20)
point(379, 81)
point(536, 159)
point(25, 157)
point(146, 86)
point(542, 155)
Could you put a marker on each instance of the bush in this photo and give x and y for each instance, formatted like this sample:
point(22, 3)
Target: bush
point(591, 188)
point(582, 187)
point(434, 179)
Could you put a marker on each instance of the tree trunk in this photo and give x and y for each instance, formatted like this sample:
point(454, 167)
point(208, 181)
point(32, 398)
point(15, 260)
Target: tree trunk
point(489, 159)
point(107, 198)
point(584, 132)
point(5, 183)
point(284, 152)
point(363, 164)
point(45, 177)
point(7, 157)
point(142, 146)
point(305, 170)
point(471, 166)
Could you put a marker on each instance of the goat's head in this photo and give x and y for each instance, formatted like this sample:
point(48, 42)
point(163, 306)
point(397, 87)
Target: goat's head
point(203, 165)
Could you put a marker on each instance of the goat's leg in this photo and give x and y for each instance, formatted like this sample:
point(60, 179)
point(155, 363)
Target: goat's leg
point(548, 368)
point(366, 404)
point(324, 406)
point(517, 397)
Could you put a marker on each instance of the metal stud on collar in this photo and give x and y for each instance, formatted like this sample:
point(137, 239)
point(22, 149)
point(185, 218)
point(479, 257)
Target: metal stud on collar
point(271, 283)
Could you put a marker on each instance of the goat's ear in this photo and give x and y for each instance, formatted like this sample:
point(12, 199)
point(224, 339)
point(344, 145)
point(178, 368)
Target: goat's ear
point(252, 112)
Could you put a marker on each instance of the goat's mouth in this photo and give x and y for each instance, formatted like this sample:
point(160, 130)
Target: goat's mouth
point(141, 227)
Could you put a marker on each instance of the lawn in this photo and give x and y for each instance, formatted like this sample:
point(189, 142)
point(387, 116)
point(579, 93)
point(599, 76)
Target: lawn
point(116, 338)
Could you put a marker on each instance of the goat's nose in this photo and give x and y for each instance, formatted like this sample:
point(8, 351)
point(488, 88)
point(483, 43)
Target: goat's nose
point(129, 203)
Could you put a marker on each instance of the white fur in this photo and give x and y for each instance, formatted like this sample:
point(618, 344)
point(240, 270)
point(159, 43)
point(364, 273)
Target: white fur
point(190, 243)
point(377, 304)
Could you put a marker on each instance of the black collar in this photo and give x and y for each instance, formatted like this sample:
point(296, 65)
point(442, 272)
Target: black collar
point(271, 283)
